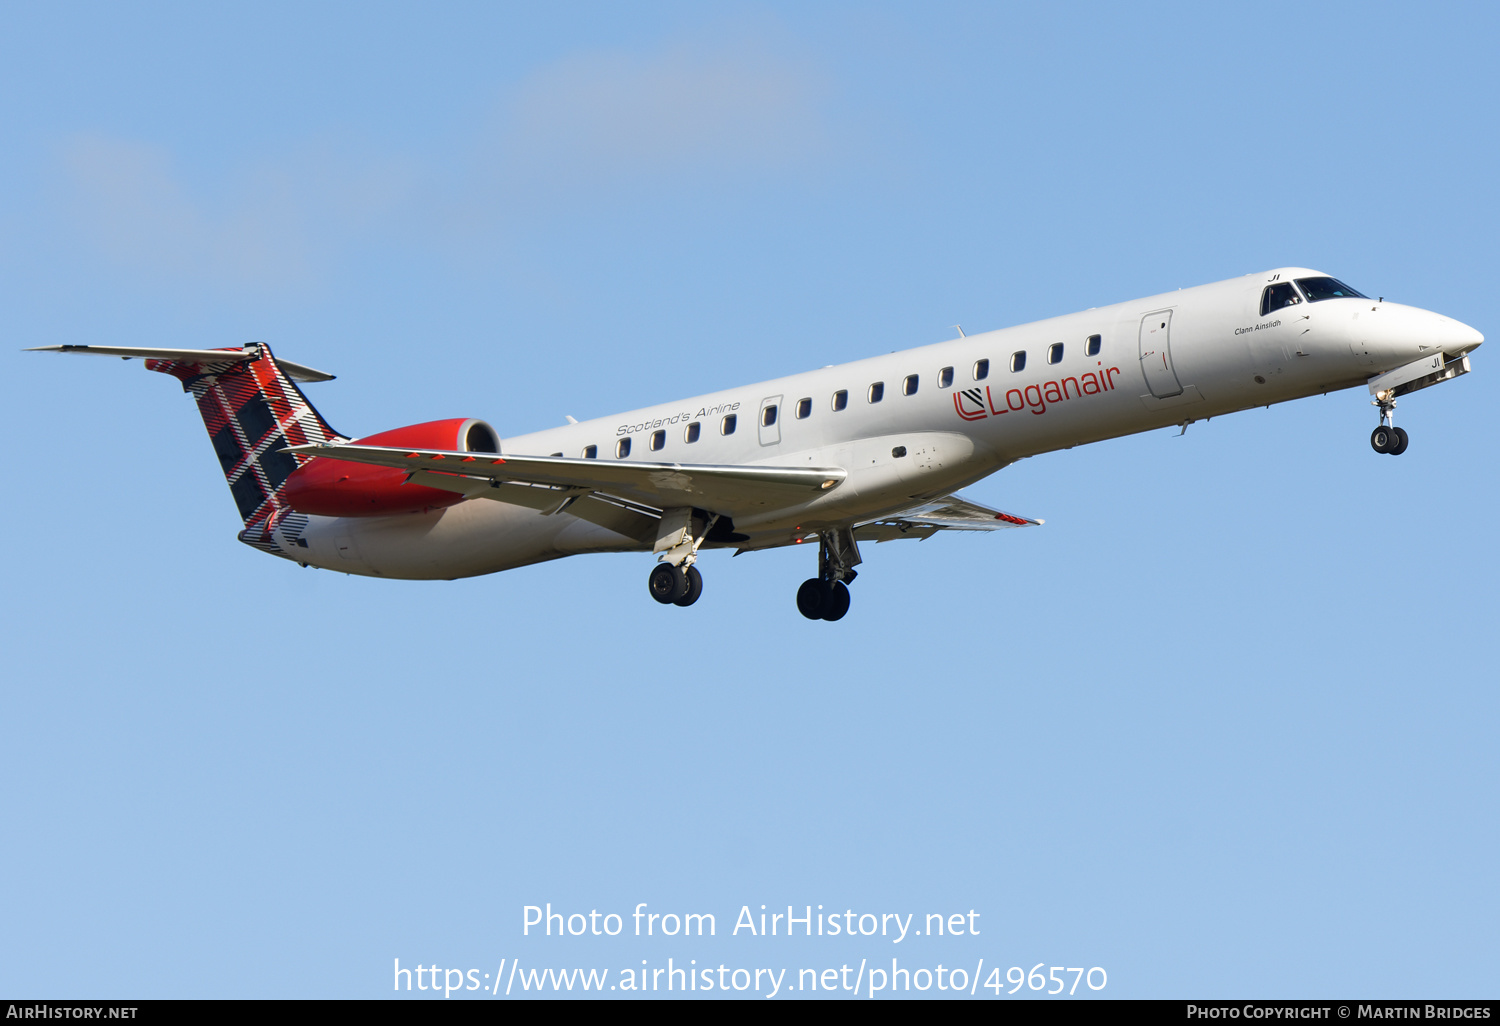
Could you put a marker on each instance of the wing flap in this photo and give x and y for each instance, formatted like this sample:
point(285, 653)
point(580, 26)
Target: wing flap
point(619, 515)
point(731, 490)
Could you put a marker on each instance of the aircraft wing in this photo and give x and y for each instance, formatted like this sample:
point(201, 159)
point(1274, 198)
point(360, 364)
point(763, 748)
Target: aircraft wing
point(295, 371)
point(950, 513)
point(730, 490)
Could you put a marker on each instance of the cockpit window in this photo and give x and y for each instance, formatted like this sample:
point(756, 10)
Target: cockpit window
point(1277, 296)
point(1327, 288)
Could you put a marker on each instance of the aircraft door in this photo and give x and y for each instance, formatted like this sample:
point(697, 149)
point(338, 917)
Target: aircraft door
point(769, 422)
point(1156, 354)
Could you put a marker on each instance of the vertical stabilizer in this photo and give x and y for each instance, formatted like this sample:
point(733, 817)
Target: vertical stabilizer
point(253, 410)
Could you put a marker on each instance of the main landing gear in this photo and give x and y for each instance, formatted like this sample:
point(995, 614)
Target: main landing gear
point(826, 596)
point(675, 581)
point(675, 586)
point(1387, 438)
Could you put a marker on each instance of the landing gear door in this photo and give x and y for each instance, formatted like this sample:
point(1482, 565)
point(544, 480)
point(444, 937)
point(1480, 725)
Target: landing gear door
point(769, 422)
point(1156, 354)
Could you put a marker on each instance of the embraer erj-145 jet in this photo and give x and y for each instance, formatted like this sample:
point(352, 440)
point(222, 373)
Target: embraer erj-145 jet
point(866, 451)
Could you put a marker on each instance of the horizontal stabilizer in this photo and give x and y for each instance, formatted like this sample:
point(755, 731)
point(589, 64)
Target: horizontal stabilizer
point(295, 371)
point(731, 490)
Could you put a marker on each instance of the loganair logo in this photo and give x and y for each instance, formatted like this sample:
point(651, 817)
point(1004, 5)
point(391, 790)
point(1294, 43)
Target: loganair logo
point(978, 403)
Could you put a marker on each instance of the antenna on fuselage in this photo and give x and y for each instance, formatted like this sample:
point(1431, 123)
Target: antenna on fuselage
point(960, 328)
point(570, 418)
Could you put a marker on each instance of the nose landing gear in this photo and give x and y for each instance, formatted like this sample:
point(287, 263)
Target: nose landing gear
point(1387, 439)
point(826, 596)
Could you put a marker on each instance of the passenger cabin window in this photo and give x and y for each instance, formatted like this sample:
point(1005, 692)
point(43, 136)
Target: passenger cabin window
point(727, 428)
point(1277, 296)
point(1318, 289)
point(945, 377)
point(1093, 345)
point(877, 391)
point(1017, 362)
point(590, 452)
point(622, 448)
point(1054, 352)
point(804, 408)
point(658, 439)
point(840, 400)
point(693, 429)
point(909, 386)
point(981, 370)
point(768, 416)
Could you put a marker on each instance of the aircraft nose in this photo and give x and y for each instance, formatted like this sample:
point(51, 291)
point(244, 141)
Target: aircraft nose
point(1429, 330)
point(1387, 334)
point(1455, 337)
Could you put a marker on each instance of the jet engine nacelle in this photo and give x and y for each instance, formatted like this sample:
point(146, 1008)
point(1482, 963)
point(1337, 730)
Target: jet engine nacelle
point(337, 488)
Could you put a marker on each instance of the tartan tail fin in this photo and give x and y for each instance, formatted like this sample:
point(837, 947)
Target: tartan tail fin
point(253, 410)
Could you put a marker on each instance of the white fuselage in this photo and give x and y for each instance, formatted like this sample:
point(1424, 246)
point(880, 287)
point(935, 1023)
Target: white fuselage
point(1162, 360)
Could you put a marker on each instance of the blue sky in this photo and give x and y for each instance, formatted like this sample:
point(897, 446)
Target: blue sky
point(1223, 727)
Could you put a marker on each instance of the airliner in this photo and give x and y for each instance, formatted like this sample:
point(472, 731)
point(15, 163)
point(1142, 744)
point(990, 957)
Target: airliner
point(870, 451)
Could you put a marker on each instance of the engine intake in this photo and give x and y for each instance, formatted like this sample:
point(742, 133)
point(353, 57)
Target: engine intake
point(337, 488)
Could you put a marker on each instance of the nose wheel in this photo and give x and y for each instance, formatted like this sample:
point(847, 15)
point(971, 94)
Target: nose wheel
point(1387, 439)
